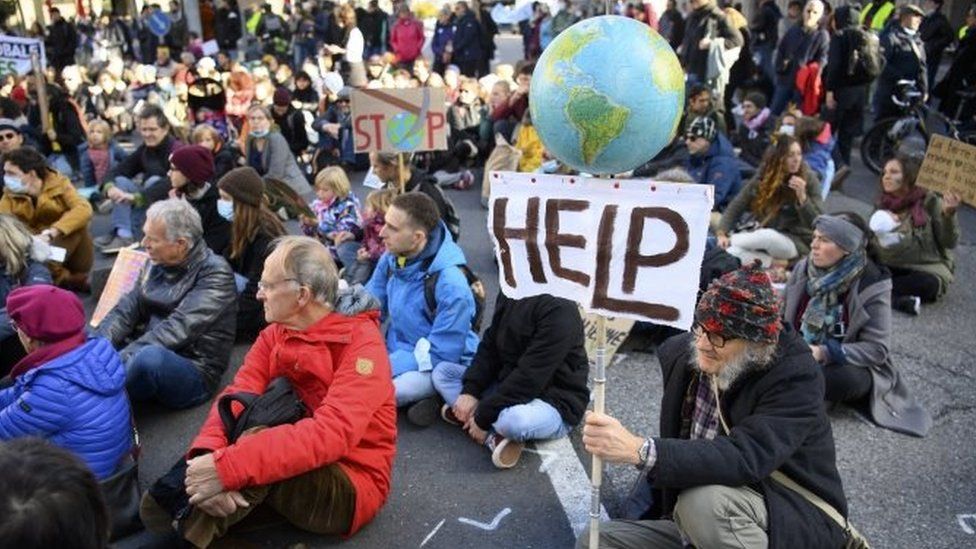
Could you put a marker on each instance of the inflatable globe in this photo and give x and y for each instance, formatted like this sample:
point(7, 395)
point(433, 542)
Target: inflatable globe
point(607, 95)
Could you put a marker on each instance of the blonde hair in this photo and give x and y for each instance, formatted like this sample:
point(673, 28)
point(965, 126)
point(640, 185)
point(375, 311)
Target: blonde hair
point(335, 179)
point(102, 125)
point(379, 201)
point(15, 245)
point(206, 129)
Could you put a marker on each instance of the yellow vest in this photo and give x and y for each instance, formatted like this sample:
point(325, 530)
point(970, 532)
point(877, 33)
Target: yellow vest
point(880, 17)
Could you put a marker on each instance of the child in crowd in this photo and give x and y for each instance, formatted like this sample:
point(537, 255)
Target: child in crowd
point(225, 157)
point(338, 221)
point(372, 247)
point(527, 140)
point(817, 142)
point(100, 154)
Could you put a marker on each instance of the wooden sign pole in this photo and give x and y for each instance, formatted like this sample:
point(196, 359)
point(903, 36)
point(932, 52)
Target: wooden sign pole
point(401, 180)
point(40, 82)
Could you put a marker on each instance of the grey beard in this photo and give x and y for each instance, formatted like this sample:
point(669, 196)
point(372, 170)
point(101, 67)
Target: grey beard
point(753, 357)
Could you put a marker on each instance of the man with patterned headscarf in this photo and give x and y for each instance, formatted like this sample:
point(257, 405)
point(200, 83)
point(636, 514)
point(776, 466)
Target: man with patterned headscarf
point(742, 406)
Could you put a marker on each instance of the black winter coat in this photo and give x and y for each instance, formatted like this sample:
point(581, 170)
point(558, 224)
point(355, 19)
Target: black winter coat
point(189, 309)
point(228, 28)
point(904, 57)
point(777, 420)
point(533, 349)
point(706, 21)
point(765, 25)
point(798, 48)
point(937, 35)
point(250, 311)
point(216, 229)
point(147, 162)
point(467, 39)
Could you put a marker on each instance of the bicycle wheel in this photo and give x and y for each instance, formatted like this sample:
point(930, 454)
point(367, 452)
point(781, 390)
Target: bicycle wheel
point(889, 137)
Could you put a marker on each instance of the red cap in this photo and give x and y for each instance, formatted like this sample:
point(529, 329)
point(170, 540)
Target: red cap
point(46, 313)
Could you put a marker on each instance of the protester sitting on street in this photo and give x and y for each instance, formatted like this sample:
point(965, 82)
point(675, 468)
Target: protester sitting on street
point(50, 498)
point(329, 473)
point(99, 154)
point(64, 133)
point(372, 247)
point(226, 156)
point(175, 329)
point(387, 168)
point(711, 160)
point(49, 205)
point(253, 227)
point(917, 231)
point(771, 218)
point(289, 121)
point(527, 381)
point(22, 259)
point(470, 131)
point(742, 404)
point(338, 221)
point(266, 151)
point(138, 181)
point(840, 301)
point(753, 135)
point(192, 175)
point(69, 389)
point(419, 246)
point(814, 136)
point(11, 136)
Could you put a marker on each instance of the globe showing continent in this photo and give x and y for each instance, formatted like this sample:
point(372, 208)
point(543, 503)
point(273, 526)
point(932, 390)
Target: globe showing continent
point(607, 95)
point(403, 132)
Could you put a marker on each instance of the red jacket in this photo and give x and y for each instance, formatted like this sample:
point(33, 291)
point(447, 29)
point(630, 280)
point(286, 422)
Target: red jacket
point(407, 39)
point(340, 369)
point(809, 83)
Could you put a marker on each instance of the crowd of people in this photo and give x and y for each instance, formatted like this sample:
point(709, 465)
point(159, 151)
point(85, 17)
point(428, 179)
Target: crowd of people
point(232, 171)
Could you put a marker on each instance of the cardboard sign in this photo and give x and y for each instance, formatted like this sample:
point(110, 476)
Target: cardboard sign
point(399, 121)
point(949, 165)
point(129, 266)
point(620, 248)
point(617, 331)
point(15, 54)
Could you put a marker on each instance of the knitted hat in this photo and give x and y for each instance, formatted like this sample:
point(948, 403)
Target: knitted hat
point(840, 231)
point(46, 313)
point(244, 185)
point(741, 304)
point(195, 161)
point(282, 97)
point(703, 126)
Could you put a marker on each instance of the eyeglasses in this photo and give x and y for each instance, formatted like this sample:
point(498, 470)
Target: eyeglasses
point(7, 136)
point(268, 286)
point(715, 340)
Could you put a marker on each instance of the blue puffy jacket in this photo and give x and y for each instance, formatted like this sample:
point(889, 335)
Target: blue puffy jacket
point(78, 402)
point(400, 291)
point(718, 167)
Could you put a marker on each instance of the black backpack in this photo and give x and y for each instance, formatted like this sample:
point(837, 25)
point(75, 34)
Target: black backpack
point(865, 62)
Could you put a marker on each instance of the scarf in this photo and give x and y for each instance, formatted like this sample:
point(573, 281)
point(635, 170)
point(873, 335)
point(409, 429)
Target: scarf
point(757, 122)
point(47, 353)
point(913, 201)
point(825, 288)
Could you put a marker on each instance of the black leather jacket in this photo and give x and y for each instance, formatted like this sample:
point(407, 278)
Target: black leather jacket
point(190, 309)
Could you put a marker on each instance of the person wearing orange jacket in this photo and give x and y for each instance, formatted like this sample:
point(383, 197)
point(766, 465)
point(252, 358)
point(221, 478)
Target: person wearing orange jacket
point(329, 473)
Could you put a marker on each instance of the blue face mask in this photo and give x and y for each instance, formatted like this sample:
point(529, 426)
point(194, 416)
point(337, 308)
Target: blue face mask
point(260, 133)
point(225, 208)
point(14, 184)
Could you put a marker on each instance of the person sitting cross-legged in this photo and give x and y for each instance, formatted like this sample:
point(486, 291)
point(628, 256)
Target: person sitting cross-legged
point(418, 245)
point(175, 329)
point(527, 380)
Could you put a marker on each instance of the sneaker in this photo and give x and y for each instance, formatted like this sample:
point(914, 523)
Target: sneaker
point(105, 207)
point(104, 240)
point(466, 181)
point(423, 413)
point(505, 453)
point(908, 304)
point(447, 414)
point(116, 244)
point(837, 183)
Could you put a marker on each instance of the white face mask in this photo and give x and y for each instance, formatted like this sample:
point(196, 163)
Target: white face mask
point(14, 184)
point(225, 208)
point(787, 129)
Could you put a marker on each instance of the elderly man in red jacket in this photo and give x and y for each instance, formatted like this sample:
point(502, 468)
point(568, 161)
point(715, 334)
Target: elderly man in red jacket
point(328, 473)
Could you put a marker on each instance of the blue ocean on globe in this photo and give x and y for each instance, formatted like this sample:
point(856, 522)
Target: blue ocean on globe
point(607, 95)
point(398, 131)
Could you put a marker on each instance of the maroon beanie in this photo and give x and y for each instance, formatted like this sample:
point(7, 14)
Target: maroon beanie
point(46, 313)
point(741, 304)
point(195, 161)
point(282, 97)
point(244, 185)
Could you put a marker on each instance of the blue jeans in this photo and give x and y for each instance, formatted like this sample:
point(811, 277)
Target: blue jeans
point(783, 94)
point(535, 420)
point(127, 219)
point(412, 386)
point(346, 252)
point(157, 373)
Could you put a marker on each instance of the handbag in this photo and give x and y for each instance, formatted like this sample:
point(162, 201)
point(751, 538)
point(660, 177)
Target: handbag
point(277, 406)
point(122, 494)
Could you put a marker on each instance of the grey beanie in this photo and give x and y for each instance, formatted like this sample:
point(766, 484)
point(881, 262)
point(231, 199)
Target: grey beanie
point(840, 231)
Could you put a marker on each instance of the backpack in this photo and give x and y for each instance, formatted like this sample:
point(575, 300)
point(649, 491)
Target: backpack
point(865, 61)
point(474, 284)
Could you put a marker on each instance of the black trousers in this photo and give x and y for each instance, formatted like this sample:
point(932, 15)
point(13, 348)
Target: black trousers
point(905, 282)
point(846, 383)
point(847, 120)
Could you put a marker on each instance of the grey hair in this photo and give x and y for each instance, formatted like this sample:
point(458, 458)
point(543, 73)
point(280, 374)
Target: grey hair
point(179, 217)
point(310, 263)
point(755, 356)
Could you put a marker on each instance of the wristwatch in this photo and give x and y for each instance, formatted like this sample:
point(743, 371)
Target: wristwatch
point(643, 454)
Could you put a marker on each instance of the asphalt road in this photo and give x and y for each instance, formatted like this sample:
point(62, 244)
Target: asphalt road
point(903, 492)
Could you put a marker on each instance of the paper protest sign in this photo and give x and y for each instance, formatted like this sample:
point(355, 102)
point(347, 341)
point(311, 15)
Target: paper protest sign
point(399, 121)
point(949, 165)
point(629, 248)
point(129, 266)
point(15, 54)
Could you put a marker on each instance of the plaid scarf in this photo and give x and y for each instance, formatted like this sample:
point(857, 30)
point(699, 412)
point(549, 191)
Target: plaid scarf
point(825, 288)
point(699, 413)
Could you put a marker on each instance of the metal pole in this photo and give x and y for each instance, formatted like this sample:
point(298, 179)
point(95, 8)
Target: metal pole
point(599, 393)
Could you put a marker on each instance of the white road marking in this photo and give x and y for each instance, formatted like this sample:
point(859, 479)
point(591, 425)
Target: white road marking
point(569, 480)
point(432, 532)
point(546, 457)
point(487, 526)
point(965, 527)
